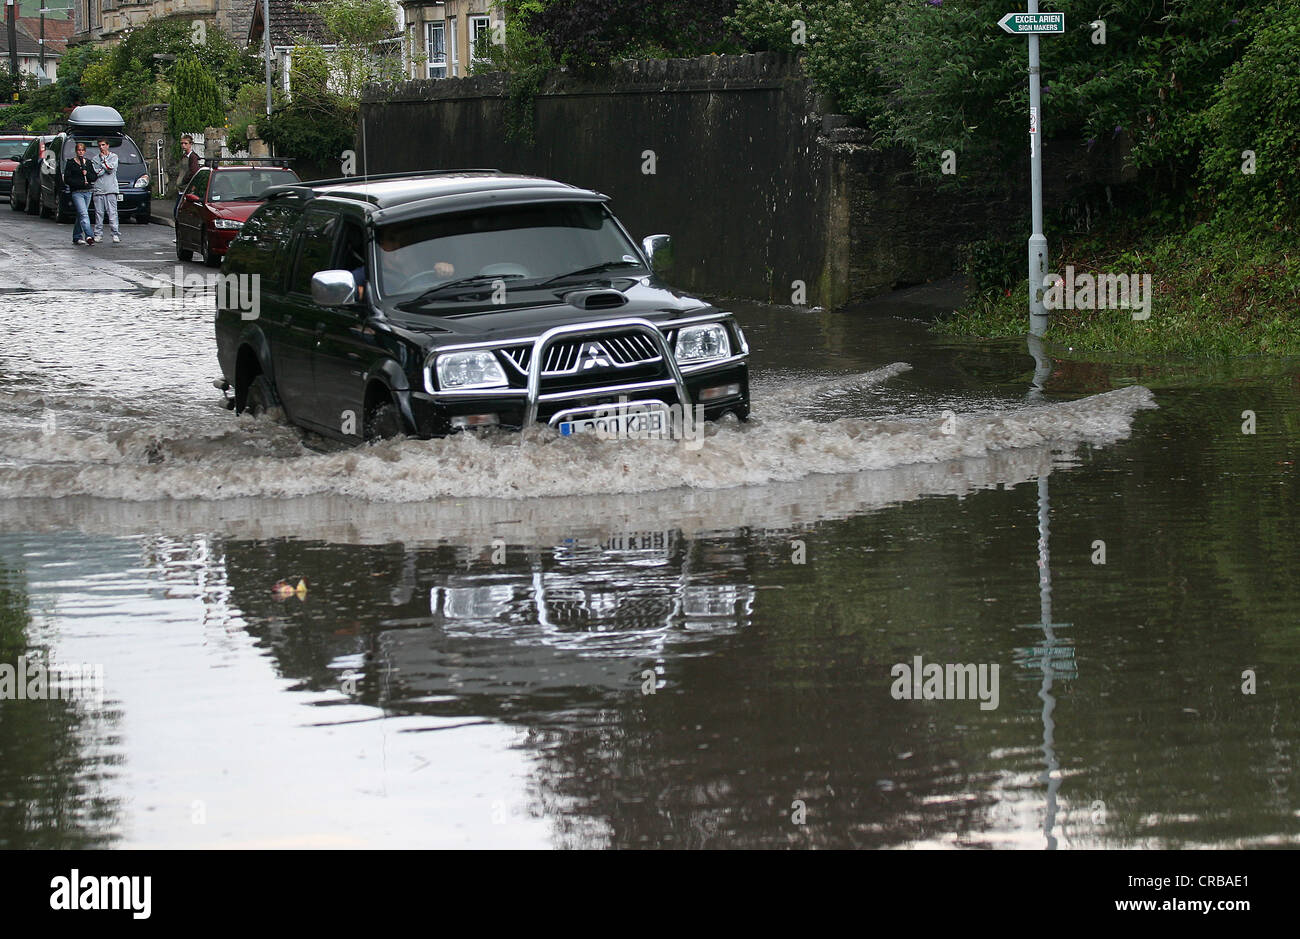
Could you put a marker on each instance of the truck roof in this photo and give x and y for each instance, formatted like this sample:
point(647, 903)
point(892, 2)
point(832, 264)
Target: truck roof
point(403, 195)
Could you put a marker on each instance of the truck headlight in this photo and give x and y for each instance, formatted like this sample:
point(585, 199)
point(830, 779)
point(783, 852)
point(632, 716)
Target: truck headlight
point(228, 223)
point(142, 182)
point(702, 343)
point(478, 369)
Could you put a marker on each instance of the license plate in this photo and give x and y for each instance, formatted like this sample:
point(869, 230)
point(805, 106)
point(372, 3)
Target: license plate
point(627, 426)
point(119, 197)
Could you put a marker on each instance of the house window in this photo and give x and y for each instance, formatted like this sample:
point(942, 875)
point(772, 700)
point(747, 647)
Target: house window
point(435, 48)
point(453, 55)
point(480, 34)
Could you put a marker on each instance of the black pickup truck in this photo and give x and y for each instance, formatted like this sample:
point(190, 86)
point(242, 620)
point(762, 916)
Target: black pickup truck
point(429, 303)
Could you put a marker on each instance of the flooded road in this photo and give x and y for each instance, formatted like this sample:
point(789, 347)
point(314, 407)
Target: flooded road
point(547, 642)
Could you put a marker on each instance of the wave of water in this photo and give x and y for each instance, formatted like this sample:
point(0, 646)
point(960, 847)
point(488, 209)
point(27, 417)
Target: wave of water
point(91, 449)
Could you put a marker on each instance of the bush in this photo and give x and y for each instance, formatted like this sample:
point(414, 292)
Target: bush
point(1257, 108)
point(196, 101)
point(317, 132)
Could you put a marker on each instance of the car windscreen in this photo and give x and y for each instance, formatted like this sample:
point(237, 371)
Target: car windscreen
point(124, 147)
point(246, 185)
point(523, 245)
point(12, 149)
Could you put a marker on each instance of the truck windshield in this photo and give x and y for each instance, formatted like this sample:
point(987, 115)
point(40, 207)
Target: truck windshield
point(12, 149)
point(522, 245)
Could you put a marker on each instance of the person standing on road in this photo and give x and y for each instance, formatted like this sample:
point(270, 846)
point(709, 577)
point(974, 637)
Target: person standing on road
point(189, 166)
point(104, 192)
point(79, 174)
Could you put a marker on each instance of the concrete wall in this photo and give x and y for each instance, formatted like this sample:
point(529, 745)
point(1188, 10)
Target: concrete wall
point(758, 187)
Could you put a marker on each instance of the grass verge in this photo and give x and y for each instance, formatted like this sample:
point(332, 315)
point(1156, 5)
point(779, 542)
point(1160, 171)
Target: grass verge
point(1214, 295)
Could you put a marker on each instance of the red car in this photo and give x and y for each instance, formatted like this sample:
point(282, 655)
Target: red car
point(11, 151)
point(217, 202)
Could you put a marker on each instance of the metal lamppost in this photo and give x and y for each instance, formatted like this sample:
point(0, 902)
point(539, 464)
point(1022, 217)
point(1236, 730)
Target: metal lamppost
point(11, 14)
point(266, 50)
point(43, 11)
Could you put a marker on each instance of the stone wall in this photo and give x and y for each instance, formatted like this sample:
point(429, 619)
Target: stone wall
point(735, 157)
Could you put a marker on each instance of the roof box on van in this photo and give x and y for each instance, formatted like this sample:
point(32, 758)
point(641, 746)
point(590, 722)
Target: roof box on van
point(95, 119)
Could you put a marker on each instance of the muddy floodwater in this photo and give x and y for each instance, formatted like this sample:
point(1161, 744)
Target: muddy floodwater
point(549, 642)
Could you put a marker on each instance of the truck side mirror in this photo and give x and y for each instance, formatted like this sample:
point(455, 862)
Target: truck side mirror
point(333, 288)
point(659, 252)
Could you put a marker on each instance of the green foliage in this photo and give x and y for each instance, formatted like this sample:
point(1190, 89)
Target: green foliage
point(309, 77)
point(319, 121)
point(1257, 108)
point(34, 113)
point(589, 34)
point(314, 131)
point(357, 30)
point(126, 75)
point(1215, 295)
point(838, 39)
point(249, 107)
point(196, 103)
point(526, 59)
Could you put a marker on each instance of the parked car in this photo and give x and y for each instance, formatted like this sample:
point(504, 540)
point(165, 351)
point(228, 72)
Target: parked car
point(87, 124)
point(11, 150)
point(217, 203)
point(26, 192)
point(430, 303)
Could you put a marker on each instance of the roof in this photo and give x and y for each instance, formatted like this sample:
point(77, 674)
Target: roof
point(57, 32)
point(289, 23)
point(27, 45)
point(408, 195)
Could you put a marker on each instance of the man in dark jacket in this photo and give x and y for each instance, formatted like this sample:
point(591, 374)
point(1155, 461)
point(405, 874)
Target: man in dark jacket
point(79, 173)
point(189, 166)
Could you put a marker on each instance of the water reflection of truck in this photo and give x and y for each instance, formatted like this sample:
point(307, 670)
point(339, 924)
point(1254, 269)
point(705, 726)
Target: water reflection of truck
point(449, 631)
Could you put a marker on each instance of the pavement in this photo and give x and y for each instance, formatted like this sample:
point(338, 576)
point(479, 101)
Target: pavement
point(44, 257)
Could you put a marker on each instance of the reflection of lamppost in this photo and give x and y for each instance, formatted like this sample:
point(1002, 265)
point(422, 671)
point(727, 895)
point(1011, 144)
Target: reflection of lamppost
point(1054, 657)
point(1051, 657)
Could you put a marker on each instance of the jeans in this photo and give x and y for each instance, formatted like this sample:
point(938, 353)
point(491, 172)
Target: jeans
point(105, 204)
point(81, 228)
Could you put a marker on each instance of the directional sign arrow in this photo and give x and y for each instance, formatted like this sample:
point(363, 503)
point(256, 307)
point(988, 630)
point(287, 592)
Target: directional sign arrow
point(1020, 24)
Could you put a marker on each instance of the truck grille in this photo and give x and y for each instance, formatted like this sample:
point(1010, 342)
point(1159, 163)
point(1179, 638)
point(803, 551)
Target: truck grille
point(620, 349)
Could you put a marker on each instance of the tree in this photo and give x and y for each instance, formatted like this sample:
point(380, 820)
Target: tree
point(196, 101)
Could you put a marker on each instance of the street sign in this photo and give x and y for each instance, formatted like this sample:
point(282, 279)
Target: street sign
point(1020, 24)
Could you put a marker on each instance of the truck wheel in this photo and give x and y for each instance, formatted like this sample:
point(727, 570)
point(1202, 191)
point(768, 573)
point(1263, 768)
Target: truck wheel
point(382, 422)
point(262, 399)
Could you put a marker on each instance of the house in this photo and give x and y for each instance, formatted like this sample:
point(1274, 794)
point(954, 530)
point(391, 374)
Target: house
point(291, 22)
point(29, 55)
point(56, 30)
point(440, 38)
point(107, 20)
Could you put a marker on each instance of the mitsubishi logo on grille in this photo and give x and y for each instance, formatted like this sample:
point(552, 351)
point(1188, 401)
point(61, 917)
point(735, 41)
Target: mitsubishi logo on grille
point(594, 356)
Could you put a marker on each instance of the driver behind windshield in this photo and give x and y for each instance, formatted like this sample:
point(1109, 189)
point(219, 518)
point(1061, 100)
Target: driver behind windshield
point(399, 261)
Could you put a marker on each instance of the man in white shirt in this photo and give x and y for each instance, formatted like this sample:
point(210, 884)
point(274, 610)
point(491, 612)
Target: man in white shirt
point(104, 192)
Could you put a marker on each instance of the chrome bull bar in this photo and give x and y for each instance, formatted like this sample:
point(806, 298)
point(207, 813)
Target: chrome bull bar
point(637, 324)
